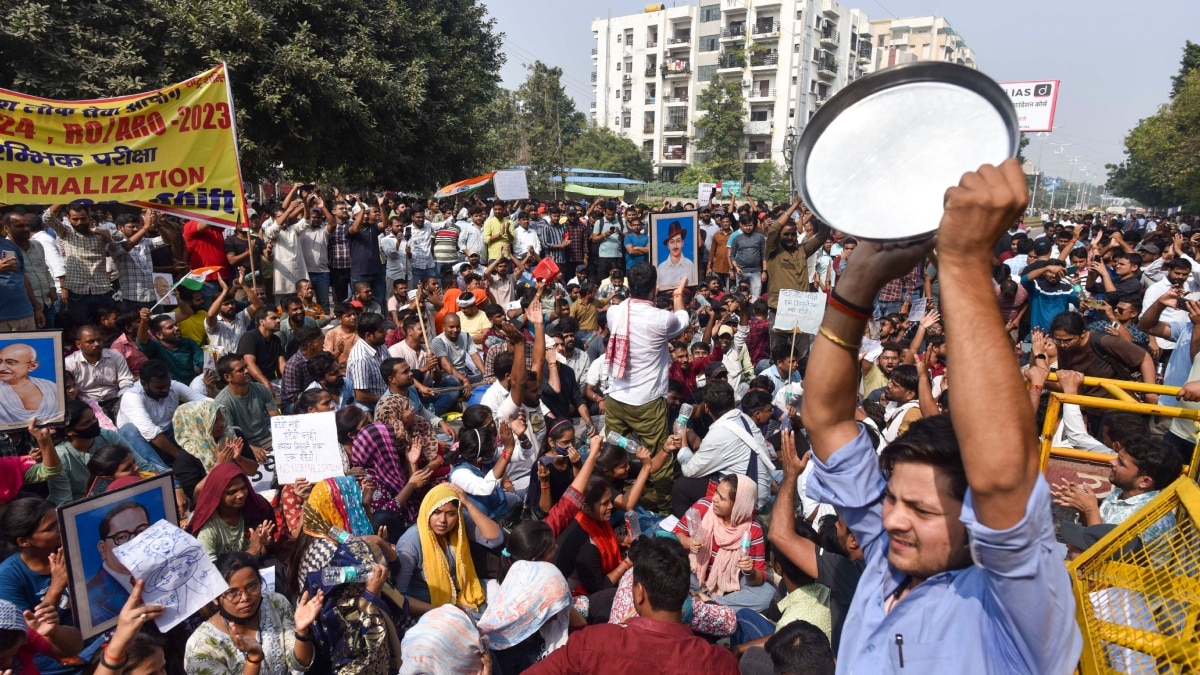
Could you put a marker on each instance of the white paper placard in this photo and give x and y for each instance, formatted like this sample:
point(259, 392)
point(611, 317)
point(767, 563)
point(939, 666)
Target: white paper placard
point(306, 446)
point(916, 311)
point(268, 579)
point(799, 309)
point(177, 570)
point(704, 193)
point(511, 184)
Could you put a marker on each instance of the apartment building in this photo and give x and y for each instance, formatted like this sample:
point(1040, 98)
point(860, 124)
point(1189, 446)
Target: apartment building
point(788, 56)
point(917, 38)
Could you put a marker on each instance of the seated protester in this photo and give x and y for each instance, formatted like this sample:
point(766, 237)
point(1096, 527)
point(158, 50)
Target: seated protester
point(17, 471)
point(147, 408)
point(261, 348)
point(445, 640)
point(614, 466)
point(108, 466)
point(881, 371)
point(364, 295)
point(126, 342)
point(903, 408)
point(328, 377)
point(291, 321)
point(229, 516)
point(567, 345)
point(516, 401)
point(785, 368)
point(341, 338)
point(589, 553)
point(290, 499)
point(249, 404)
point(39, 637)
point(556, 469)
point(943, 485)
point(457, 355)
point(477, 471)
point(595, 385)
point(424, 366)
point(407, 410)
point(473, 321)
point(390, 467)
point(436, 566)
point(529, 610)
point(561, 393)
point(206, 439)
point(84, 437)
point(654, 642)
point(799, 648)
point(251, 629)
point(101, 374)
point(182, 355)
point(805, 600)
point(308, 341)
point(72, 393)
point(733, 444)
point(1141, 468)
point(335, 511)
point(699, 612)
point(720, 567)
point(737, 358)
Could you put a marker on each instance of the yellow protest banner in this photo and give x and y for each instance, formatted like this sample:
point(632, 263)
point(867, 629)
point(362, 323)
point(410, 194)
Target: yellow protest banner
point(174, 149)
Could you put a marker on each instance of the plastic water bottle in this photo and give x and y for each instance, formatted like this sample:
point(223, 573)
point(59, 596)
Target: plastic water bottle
point(339, 535)
point(332, 576)
point(746, 547)
point(692, 520)
point(681, 421)
point(613, 438)
point(633, 525)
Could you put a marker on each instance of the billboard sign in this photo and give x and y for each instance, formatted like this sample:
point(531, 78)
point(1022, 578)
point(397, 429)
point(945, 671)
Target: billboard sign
point(1035, 102)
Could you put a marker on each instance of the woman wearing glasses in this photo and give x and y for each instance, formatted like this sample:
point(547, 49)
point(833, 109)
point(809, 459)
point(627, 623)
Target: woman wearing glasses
point(251, 632)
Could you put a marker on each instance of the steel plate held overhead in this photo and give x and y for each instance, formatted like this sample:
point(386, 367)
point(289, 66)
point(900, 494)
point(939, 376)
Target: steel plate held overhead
point(877, 159)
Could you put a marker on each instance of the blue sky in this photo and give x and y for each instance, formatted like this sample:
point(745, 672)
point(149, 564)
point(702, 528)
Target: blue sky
point(1115, 60)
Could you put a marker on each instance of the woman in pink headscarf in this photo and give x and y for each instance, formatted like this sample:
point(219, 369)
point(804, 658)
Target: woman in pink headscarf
point(728, 553)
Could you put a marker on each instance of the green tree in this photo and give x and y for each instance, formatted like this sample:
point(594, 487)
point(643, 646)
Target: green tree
point(505, 142)
point(770, 182)
point(550, 123)
point(599, 148)
point(695, 174)
point(1190, 63)
point(720, 131)
point(1162, 164)
point(390, 93)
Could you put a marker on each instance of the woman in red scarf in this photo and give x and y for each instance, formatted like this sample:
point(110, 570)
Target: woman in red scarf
point(229, 515)
point(589, 554)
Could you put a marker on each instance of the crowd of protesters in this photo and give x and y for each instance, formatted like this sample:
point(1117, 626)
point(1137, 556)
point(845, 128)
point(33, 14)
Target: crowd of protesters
point(562, 456)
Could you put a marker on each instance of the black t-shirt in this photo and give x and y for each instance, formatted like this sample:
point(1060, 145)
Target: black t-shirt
point(840, 574)
point(579, 558)
point(364, 250)
point(563, 405)
point(266, 352)
point(237, 246)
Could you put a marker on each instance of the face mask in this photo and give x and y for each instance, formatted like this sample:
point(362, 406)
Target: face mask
point(89, 432)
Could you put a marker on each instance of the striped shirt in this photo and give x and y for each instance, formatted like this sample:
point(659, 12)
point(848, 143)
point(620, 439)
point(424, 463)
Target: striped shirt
point(445, 243)
point(552, 235)
point(137, 270)
point(339, 247)
point(362, 368)
point(421, 243)
point(85, 256)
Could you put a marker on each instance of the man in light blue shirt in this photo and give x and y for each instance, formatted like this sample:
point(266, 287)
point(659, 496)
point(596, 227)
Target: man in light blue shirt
point(953, 520)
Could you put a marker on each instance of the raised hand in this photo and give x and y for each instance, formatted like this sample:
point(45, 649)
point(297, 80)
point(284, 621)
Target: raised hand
point(931, 317)
point(58, 568)
point(307, 610)
point(44, 620)
point(978, 210)
point(375, 579)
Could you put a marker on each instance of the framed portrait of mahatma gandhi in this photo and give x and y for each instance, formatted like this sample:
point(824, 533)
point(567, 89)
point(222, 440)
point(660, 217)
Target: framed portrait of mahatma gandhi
point(674, 248)
point(92, 529)
point(31, 379)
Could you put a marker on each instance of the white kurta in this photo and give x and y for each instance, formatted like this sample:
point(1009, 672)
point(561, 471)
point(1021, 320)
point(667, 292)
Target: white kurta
point(12, 411)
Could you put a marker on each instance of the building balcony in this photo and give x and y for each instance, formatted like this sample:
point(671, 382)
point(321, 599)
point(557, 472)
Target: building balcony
point(651, 44)
point(763, 32)
point(864, 50)
point(758, 128)
point(650, 100)
point(731, 62)
point(829, 9)
point(675, 155)
point(676, 100)
point(764, 61)
point(595, 51)
point(625, 106)
point(675, 129)
point(677, 71)
point(827, 68)
point(593, 105)
point(650, 70)
point(627, 77)
point(756, 156)
point(760, 94)
point(647, 129)
point(830, 39)
point(733, 33)
point(679, 41)
point(593, 78)
point(819, 100)
point(759, 4)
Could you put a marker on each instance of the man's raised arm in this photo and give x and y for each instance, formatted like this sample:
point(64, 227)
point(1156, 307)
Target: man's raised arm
point(993, 421)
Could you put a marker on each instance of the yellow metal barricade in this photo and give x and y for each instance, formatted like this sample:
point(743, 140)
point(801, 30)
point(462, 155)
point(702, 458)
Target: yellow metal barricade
point(1123, 402)
point(1137, 593)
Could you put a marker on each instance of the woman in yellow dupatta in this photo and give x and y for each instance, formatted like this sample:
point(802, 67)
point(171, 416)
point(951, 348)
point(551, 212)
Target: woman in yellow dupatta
point(436, 567)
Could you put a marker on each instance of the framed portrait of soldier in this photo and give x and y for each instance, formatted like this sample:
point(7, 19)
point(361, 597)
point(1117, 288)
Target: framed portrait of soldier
point(674, 248)
point(31, 379)
point(92, 529)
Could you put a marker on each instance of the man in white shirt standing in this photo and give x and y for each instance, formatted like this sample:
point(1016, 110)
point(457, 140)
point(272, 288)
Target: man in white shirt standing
point(527, 241)
point(638, 361)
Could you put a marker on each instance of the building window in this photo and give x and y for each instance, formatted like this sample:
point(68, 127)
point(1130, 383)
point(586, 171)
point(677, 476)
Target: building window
point(709, 43)
point(799, 14)
point(710, 13)
point(791, 113)
point(705, 73)
point(758, 115)
point(618, 93)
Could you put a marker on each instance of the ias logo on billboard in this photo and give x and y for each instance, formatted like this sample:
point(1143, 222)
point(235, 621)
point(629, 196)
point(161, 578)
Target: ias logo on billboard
point(1043, 90)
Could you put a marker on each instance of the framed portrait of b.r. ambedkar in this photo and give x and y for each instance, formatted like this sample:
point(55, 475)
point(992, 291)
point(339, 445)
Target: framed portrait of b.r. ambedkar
point(31, 379)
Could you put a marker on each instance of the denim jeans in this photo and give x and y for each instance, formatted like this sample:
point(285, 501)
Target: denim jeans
point(320, 284)
point(420, 273)
point(80, 305)
point(339, 280)
point(129, 432)
point(442, 402)
point(755, 279)
point(882, 309)
point(750, 626)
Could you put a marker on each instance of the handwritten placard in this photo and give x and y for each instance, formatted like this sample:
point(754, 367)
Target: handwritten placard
point(178, 573)
point(305, 446)
point(704, 194)
point(798, 309)
point(511, 185)
point(917, 311)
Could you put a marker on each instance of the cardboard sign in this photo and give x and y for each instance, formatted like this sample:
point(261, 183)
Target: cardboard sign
point(798, 309)
point(306, 446)
point(511, 185)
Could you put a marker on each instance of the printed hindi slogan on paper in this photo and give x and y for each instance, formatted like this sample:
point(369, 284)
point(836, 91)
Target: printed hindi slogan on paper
point(173, 149)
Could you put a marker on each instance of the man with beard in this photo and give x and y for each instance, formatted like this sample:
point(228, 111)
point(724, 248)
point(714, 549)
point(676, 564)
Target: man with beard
point(183, 356)
point(100, 374)
point(249, 404)
point(294, 320)
point(224, 323)
point(262, 348)
point(148, 410)
point(326, 374)
point(903, 407)
point(41, 285)
point(109, 587)
point(881, 372)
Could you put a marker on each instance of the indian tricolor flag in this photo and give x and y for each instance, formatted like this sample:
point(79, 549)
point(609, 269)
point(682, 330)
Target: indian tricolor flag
point(195, 279)
point(464, 186)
